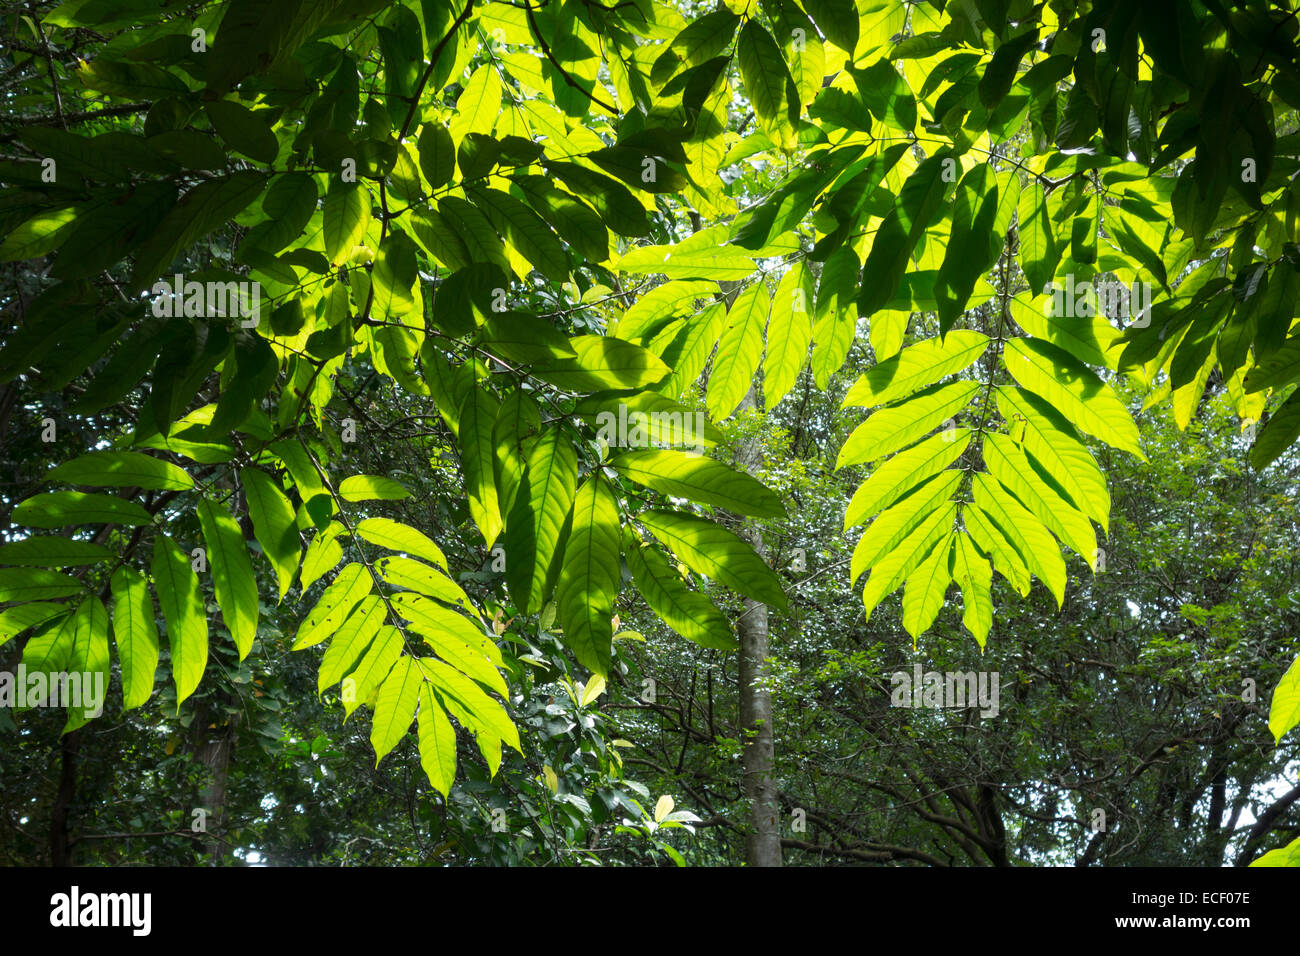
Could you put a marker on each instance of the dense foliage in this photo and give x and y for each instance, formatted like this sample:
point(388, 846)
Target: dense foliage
point(491, 367)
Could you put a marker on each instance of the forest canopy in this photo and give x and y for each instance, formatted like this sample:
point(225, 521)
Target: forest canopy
point(805, 431)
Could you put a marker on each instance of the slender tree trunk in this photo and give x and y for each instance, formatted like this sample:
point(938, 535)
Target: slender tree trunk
point(60, 846)
point(758, 755)
point(763, 840)
point(215, 753)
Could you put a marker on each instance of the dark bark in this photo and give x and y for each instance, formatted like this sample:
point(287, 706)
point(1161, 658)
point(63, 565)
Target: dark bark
point(60, 844)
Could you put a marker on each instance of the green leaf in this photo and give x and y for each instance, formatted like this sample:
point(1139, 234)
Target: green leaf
point(837, 20)
point(351, 641)
point(738, 351)
point(39, 235)
point(1288, 855)
point(897, 426)
point(331, 611)
point(371, 488)
point(1074, 389)
point(122, 469)
point(603, 362)
point(589, 575)
point(59, 509)
point(481, 241)
point(396, 536)
point(837, 317)
point(1278, 434)
point(207, 206)
point(1051, 441)
point(393, 277)
point(242, 129)
point(895, 567)
point(886, 94)
point(185, 611)
point(437, 743)
point(478, 415)
point(346, 216)
point(1024, 532)
point(576, 222)
point(378, 660)
point(1090, 339)
point(521, 337)
point(395, 709)
point(232, 574)
point(715, 552)
point(919, 202)
point(974, 574)
point(136, 636)
point(103, 235)
point(916, 367)
point(323, 555)
point(905, 471)
point(50, 649)
point(15, 620)
point(274, 525)
point(36, 584)
point(1284, 711)
point(687, 612)
point(526, 231)
point(455, 638)
point(52, 551)
point(699, 479)
point(1039, 251)
point(417, 576)
point(537, 518)
point(89, 655)
point(768, 84)
point(437, 155)
point(924, 591)
point(1001, 70)
point(1006, 560)
point(518, 423)
point(789, 333)
point(1008, 463)
point(676, 262)
point(969, 239)
point(894, 524)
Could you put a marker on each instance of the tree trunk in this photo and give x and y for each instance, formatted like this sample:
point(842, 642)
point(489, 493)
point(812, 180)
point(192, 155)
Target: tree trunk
point(214, 752)
point(763, 836)
point(60, 846)
point(763, 839)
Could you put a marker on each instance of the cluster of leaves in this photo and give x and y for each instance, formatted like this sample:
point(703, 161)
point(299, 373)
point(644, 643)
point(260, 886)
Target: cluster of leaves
point(413, 184)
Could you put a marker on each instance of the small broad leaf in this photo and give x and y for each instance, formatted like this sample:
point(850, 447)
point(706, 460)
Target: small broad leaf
point(699, 479)
point(916, 367)
point(537, 519)
point(122, 469)
point(184, 610)
point(344, 593)
point(274, 525)
point(1070, 386)
point(396, 536)
point(589, 575)
point(711, 550)
point(136, 636)
point(52, 551)
point(395, 709)
point(1284, 711)
point(58, 509)
point(232, 574)
point(437, 743)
